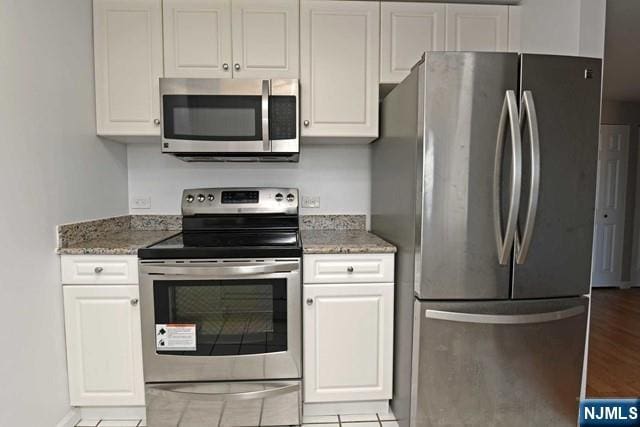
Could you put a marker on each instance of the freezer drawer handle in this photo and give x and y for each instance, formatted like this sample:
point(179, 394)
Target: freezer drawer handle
point(498, 319)
point(510, 112)
point(529, 112)
point(225, 271)
point(173, 391)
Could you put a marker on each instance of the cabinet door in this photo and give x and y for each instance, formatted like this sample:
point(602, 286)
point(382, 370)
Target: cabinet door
point(407, 31)
point(265, 39)
point(480, 28)
point(339, 56)
point(128, 62)
point(104, 348)
point(348, 342)
point(197, 38)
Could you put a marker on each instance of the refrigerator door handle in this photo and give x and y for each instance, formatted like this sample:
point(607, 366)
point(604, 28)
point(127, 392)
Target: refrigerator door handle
point(529, 112)
point(502, 319)
point(509, 116)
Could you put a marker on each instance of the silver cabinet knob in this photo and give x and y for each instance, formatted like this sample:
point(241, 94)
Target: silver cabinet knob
point(98, 270)
point(237, 67)
point(225, 66)
point(134, 301)
point(306, 123)
point(309, 301)
point(350, 269)
point(156, 122)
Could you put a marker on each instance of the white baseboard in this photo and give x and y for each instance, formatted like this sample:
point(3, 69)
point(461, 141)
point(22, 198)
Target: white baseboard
point(113, 412)
point(70, 419)
point(346, 408)
point(611, 285)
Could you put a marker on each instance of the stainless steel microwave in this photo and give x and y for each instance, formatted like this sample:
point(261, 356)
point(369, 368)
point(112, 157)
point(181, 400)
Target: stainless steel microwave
point(230, 119)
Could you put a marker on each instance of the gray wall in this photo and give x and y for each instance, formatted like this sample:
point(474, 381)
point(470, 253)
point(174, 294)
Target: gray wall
point(627, 113)
point(53, 170)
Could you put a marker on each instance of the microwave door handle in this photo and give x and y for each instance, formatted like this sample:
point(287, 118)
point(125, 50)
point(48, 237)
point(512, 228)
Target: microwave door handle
point(224, 271)
point(266, 141)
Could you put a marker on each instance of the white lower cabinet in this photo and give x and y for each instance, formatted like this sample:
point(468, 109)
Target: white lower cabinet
point(104, 349)
point(348, 342)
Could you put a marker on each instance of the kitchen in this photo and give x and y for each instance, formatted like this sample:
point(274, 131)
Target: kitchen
point(343, 55)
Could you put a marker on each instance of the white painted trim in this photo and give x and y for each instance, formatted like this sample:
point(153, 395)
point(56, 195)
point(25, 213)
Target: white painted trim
point(619, 284)
point(70, 419)
point(113, 412)
point(346, 408)
point(585, 360)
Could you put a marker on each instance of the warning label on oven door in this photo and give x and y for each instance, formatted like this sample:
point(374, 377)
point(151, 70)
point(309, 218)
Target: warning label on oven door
point(176, 337)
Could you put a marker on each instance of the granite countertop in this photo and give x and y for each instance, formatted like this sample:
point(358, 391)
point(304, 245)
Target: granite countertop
point(344, 242)
point(119, 243)
point(124, 235)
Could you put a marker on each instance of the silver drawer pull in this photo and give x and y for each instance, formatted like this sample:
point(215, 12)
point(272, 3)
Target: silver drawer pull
point(504, 319)
point(309, 301)
point(222, 271)
point(134, 301)
point(188, 391)
point(350, 269)
point(98, 270)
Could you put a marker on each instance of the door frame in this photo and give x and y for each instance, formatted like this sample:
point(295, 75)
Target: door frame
point(621, 129)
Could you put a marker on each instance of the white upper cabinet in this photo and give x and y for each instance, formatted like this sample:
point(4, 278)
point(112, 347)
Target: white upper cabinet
point(128, 63)
point(339, 56)
point(197, 38)
point(231, 38)
point(265, 38)
point(407, 31)
point(477, 28)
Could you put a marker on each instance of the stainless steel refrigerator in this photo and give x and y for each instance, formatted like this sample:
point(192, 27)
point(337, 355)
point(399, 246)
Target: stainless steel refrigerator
point(484, 177)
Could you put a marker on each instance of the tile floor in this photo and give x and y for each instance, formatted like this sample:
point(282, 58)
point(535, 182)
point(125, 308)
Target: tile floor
point(374, 420)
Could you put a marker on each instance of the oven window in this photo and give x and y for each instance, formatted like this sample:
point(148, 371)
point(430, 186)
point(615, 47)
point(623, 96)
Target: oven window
point(213, 117)
point(231, 317)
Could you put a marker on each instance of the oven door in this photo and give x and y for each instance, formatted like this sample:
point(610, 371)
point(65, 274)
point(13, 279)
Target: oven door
point(220, 320)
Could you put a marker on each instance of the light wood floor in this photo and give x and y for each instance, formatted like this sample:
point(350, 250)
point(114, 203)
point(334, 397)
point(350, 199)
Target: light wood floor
point(613, 369)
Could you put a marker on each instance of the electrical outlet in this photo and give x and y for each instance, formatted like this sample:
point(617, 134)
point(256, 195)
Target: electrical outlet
point(141, 203)
point(310, 202)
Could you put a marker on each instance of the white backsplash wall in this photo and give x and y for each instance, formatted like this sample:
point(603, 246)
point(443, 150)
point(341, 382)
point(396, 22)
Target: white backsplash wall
point(339, 175)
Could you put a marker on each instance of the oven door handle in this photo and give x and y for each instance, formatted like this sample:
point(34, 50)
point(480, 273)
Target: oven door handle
point(223, 271)
point(172, 391)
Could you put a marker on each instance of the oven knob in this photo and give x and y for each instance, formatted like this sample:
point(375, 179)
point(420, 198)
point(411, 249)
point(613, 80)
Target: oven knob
point(190, 198)
point(211, 197)
point(290, 197)
point(201, 198)
point(279, 197)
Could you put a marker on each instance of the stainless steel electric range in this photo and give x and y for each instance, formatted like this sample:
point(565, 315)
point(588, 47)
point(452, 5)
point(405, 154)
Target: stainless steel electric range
point(221, 311)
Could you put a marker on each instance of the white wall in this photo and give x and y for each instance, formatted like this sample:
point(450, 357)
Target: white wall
point(52, 170)
point(563, 27)
point(339, 175)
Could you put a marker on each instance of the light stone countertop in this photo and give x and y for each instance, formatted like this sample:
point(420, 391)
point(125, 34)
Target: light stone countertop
point(124, 235)
point(344, 242)
point(118, 243)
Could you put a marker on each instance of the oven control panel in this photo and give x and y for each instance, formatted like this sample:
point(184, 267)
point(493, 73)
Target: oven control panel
point(212, 201)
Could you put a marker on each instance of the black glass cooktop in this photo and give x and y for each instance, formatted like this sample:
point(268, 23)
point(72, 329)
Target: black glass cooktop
point(226, 244)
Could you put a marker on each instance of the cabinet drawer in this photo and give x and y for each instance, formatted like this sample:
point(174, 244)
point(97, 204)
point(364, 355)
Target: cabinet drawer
point(107, 269)
point(355, 268)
